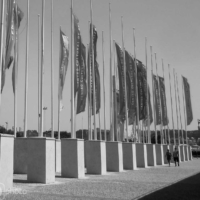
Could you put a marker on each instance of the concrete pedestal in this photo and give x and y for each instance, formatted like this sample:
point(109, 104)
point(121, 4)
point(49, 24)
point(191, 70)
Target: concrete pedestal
point(41, 160)
point(6, 161)
point(189, 153)
point(165, 147)
point(58, 155)
point(96, 157)
point(114, 156)
point(20, 155)
point(151, 154)
point(159, 154)
point(171, 149)
point(141, 155)
point(186, 152)
point(129, 156)
point(72, 158)
point(181, 153)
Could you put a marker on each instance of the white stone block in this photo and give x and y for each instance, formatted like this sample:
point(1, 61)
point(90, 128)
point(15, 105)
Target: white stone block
point(58, 155)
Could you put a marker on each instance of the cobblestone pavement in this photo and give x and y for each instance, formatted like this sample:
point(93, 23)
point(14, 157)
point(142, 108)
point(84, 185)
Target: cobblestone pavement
point(123, 185)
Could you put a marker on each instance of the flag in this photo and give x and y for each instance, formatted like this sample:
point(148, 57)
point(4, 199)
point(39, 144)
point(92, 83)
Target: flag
point(163, 101)
point(64, 58)
point(82, 89)
point(142, 90)
point(188, 103)
point(120, 65)
point(96, 71)
point(157, 100)
point(131, 92)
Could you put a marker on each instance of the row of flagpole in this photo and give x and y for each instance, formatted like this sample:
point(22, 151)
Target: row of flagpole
point(112, 87)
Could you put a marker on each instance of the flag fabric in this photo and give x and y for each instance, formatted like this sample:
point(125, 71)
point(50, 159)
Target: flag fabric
point(120, 65)
point(165, 120)
point(188, 103)
point(131, 92)
point(96, 71)
point(82, 90)
point(64, 59)
point(142, 90)
point(157, 100)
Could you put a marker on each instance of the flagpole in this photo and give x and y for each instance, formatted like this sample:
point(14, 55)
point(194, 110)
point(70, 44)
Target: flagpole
point(104, 92)
point(93, 74)
point(179, 108)
point(72, 76)
point(154, 112)
point(52, 75)
point(171, 105)
point(111, 82)
point(125, 89)
point(38, 73)
point(166, 104)
point(26, 71)
point(1, 41)
point(161, 124)
point(184, 110)
point(148, 120)
point(82, 127)
point(136, 85)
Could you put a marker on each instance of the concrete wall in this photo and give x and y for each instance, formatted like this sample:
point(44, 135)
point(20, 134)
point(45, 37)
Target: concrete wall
point(186, 152)
point(159, 154)
point(6, 161)
point(141, 155)
point(151, 155)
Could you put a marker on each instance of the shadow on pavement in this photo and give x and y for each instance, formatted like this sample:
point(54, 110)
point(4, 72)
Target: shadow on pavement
point(188, 188)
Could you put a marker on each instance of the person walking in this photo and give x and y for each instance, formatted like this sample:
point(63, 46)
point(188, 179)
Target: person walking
point(176, 156)
point(168, 156)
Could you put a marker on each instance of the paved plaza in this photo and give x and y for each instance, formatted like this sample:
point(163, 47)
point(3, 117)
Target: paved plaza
point(124, 185)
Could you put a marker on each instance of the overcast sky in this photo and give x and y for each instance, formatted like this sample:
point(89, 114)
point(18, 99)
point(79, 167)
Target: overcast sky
point(171, 27)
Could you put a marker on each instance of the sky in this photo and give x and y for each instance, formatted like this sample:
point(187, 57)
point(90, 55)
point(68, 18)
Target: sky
point(171, 27)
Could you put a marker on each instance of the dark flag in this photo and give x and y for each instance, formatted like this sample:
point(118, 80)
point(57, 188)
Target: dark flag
point(163, 101)
point(120, 64)
point(96, 72)
point(157, 100)
point(64, 58)
point(188, 103)
point(82, 90)
point(131, 93)
point(142, 90)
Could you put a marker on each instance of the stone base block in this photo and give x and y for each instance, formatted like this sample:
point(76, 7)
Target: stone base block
point(41, 160)
point(129, 156)
point(181, 153)
point(96, 157)
point(186, 152)
point(171, 149)
point(151, 155)
point(159, 154)
point(58, 155)
point(189, 153)
point(141, 155)
point(6, 162)
point(20, 155)
point(72, 158)
point(165, 147)
point(114, 156)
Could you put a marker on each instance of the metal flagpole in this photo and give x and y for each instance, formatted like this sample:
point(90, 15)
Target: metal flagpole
point(176, 107)
point(38, 73)
point(82, 127)
point(93, 73)
point(125, 89)
point(179, 109)
point(1, 40)
point(59, 103)
point(111, 80)
point(104, 91)
point(72, 75)
point(154, 112)
point(100, 138)
point(26, 70)
point(136, 85)
point(171, 105)
point(42, 70)
point(184, 110)
point(148, 120)
point(52, 75)
point(161, 124)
